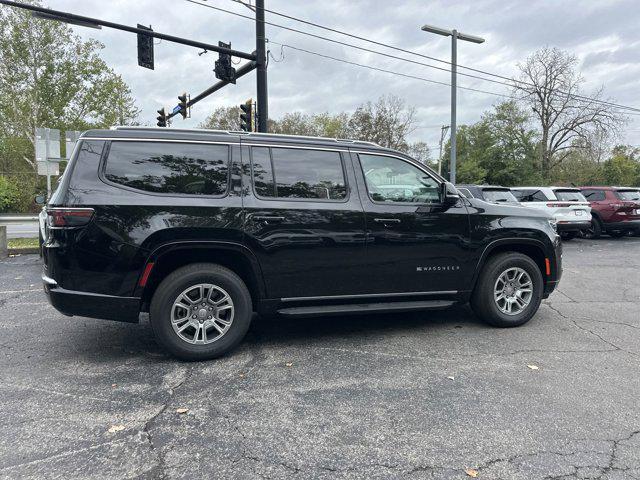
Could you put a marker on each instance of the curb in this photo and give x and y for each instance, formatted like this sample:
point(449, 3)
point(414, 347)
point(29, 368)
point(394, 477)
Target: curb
point(23, 251)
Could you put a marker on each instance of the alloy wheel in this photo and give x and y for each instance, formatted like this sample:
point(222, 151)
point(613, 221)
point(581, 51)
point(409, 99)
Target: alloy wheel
point(513, 291)
point(202, 314)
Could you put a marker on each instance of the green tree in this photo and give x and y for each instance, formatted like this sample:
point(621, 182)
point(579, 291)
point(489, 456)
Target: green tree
point(500, 149)
point(50, 77)
point(623, 168)
point(223, 118)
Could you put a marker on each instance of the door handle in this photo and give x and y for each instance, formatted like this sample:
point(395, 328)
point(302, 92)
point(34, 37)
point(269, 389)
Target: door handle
point(386, 220)
point(267, 218)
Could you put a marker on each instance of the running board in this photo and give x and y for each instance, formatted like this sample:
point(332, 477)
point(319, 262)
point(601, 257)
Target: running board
point(318, 310)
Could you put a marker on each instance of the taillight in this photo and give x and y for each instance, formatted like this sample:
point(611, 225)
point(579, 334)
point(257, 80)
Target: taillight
point(68, 217)
point(558, 205)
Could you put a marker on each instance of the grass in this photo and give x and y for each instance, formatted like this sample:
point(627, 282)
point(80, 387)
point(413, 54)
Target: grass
point(22, 243)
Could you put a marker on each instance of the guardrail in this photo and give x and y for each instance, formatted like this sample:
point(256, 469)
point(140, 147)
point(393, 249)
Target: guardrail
point(9, 219)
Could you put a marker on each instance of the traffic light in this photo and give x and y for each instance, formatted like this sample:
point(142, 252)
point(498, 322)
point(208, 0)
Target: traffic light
point(224, 69)
point(162, 118)
point(145, 48)
point(183, 105)
point(246, 117)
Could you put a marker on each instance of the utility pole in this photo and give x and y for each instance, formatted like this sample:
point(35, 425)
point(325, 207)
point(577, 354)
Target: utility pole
point(261, 68)
point(443, 133)
point(455, 36)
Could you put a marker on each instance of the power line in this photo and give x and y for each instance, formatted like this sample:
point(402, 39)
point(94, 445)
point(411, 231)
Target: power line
point(320, 37)
point(411, 52)
point(406, 75)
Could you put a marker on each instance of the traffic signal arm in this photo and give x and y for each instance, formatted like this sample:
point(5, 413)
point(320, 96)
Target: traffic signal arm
point(64, 16)
point(246, 68)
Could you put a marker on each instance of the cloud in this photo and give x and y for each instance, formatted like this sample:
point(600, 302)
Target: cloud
point(604, 36)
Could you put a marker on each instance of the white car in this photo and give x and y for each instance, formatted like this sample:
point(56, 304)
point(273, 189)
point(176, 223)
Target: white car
point(567, 205)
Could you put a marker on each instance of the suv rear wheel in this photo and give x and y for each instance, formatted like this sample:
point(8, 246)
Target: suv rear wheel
point(509, 290)
point(200, 311)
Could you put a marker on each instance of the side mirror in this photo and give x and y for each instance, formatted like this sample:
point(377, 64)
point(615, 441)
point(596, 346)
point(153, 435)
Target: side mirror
point(40, 199)
point(450, 195)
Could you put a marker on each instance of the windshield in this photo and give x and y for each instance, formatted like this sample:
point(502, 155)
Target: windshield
point(499, 196)
point(570, 196)
point(628, 195)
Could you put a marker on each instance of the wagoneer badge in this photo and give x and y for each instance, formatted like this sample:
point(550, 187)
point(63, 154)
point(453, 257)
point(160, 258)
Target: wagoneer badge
point(438, 268)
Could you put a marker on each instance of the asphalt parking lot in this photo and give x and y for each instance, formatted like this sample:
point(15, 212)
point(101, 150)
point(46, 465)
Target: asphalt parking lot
point(435, 395)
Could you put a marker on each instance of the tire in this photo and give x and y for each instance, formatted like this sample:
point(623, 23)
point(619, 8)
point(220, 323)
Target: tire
point(595, 231)
point(216, 281)
point(618, 233)
point(483, 301)
point(566, 236)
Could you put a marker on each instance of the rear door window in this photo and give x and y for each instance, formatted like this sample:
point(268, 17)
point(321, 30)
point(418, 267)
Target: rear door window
point(169, 168)
point(594, 195)
point(530, 195)
point(298, 173)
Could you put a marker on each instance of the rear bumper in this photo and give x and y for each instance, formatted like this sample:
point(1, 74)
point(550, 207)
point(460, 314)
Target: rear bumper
point(573, 226)
point(633, 225)
point(93, 305)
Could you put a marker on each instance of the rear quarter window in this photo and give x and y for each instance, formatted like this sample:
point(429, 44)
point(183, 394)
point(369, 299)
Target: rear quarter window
point(169, 168)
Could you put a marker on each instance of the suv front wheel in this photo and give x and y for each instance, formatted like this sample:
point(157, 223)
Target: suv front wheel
point(200, 311)
point(509, 290)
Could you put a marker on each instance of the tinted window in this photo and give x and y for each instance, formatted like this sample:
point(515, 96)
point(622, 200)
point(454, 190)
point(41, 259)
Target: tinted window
point(498, 196)
point(298, 173)
point(594, 195)
point(530, 195)
point(184, 168)
point(390, 179)
point(628, 195)
point(262, 172)
point(570, 196)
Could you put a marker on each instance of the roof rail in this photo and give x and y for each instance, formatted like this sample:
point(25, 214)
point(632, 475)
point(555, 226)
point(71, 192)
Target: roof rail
point(238, 132)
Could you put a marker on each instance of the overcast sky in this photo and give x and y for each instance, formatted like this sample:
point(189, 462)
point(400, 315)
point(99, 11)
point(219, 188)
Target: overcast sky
point(604, 34)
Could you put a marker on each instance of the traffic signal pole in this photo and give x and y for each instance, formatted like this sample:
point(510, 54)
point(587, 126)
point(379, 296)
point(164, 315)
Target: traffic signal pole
point(261, 67)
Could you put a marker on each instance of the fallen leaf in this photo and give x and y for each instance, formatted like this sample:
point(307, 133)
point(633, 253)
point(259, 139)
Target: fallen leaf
point(241, 375)
point(472, 472)
point(182, 410)
point(115, 428)
point(289, 364)
point(533, 367)
point(114, 385)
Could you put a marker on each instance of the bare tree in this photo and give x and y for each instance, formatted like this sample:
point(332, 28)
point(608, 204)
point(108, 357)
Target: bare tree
point(388, 122)
point(550, 85)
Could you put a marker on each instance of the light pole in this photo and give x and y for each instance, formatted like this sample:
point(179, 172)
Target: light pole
point(455, 36)
point(443, 132)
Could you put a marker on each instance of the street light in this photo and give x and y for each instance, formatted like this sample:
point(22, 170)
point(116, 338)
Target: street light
point(455, 36)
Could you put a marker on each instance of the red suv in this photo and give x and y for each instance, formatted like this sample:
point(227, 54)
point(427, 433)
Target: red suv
point(614, 210)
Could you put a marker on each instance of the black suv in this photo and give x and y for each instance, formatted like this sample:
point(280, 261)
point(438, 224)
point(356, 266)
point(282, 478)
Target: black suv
point(203, 228)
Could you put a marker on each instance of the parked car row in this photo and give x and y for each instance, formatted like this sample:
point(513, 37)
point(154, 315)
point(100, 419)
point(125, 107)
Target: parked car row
point(585, 211)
